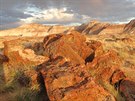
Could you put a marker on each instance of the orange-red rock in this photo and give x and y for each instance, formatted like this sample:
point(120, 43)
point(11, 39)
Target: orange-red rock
point(96, 27)
point(68, 46)
point(65, 83)
point(130, 27)
point(102, 67)
point(34, 29)
point(89, 91)
point(79, 70)
point(117, 76)
point(96, 46)
point(16, 50)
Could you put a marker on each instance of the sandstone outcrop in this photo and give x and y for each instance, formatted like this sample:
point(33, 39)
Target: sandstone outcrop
point(34, 30)
point(62, 45)
point(91, 28)
point(80, 71)
point(130, 27)
point(102, 67)
point(96, 27)
point(18, 49)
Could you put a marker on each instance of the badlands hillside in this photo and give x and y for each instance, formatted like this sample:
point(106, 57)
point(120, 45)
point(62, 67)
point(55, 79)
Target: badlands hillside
point(91, 62)
point(35, 30)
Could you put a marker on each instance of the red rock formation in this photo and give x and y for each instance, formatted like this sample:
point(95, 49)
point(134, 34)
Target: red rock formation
point(72, 69)
point(16, 50)
point(130, 27)
point(96, 46)
point(65, 82)
point(69, 77)
point(74, 43)
point(34, 30)
point(96, 27)
point(117, 76)
point(102, 67)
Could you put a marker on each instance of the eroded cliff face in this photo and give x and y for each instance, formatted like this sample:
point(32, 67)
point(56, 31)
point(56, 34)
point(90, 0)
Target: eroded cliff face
point(73, 73)
point(91, 28)
point(30, 30)
point(73, 66)
point(96, 27)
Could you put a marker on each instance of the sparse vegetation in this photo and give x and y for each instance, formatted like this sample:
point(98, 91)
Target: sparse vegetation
point(19, 88)
point(112, 90)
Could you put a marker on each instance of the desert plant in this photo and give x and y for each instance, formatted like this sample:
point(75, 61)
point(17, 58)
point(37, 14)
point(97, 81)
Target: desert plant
point(21, 78)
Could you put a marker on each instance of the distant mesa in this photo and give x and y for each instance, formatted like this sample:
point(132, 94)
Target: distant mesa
point(35, 30)
point(96, 27)
point(93, 28)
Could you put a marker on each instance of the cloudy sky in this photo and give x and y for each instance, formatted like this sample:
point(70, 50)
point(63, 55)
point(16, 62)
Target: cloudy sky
point(14, 13)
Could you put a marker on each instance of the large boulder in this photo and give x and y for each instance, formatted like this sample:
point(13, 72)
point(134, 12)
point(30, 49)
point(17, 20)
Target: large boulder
point(65, 82)
point(79, 70)
point(68, 46)
point(89, 91)
point(103, 67)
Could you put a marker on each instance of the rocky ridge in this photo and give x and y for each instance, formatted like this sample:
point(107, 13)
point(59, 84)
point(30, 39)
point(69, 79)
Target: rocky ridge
point(96, 27)
point(72, 67)
point(83, 77)
point(34, 30)
point(91, 28)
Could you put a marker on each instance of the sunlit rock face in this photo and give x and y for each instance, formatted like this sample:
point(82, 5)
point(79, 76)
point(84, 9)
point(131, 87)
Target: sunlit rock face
point(96, 27)
point(87, 76)
point(35, 30)
point(91, 28)
point(91, 62)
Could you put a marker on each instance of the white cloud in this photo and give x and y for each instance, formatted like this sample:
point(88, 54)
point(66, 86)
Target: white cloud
point(53, 15)
point(131, 1)
point(127, 21)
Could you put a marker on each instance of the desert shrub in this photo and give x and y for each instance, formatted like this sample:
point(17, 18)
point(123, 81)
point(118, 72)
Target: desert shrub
point(21, 78)
point(26, 94)
point(6, 88)
point(107, 86)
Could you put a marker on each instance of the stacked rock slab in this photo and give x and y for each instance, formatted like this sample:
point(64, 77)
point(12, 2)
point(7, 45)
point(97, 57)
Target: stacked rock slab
point(76, 69)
